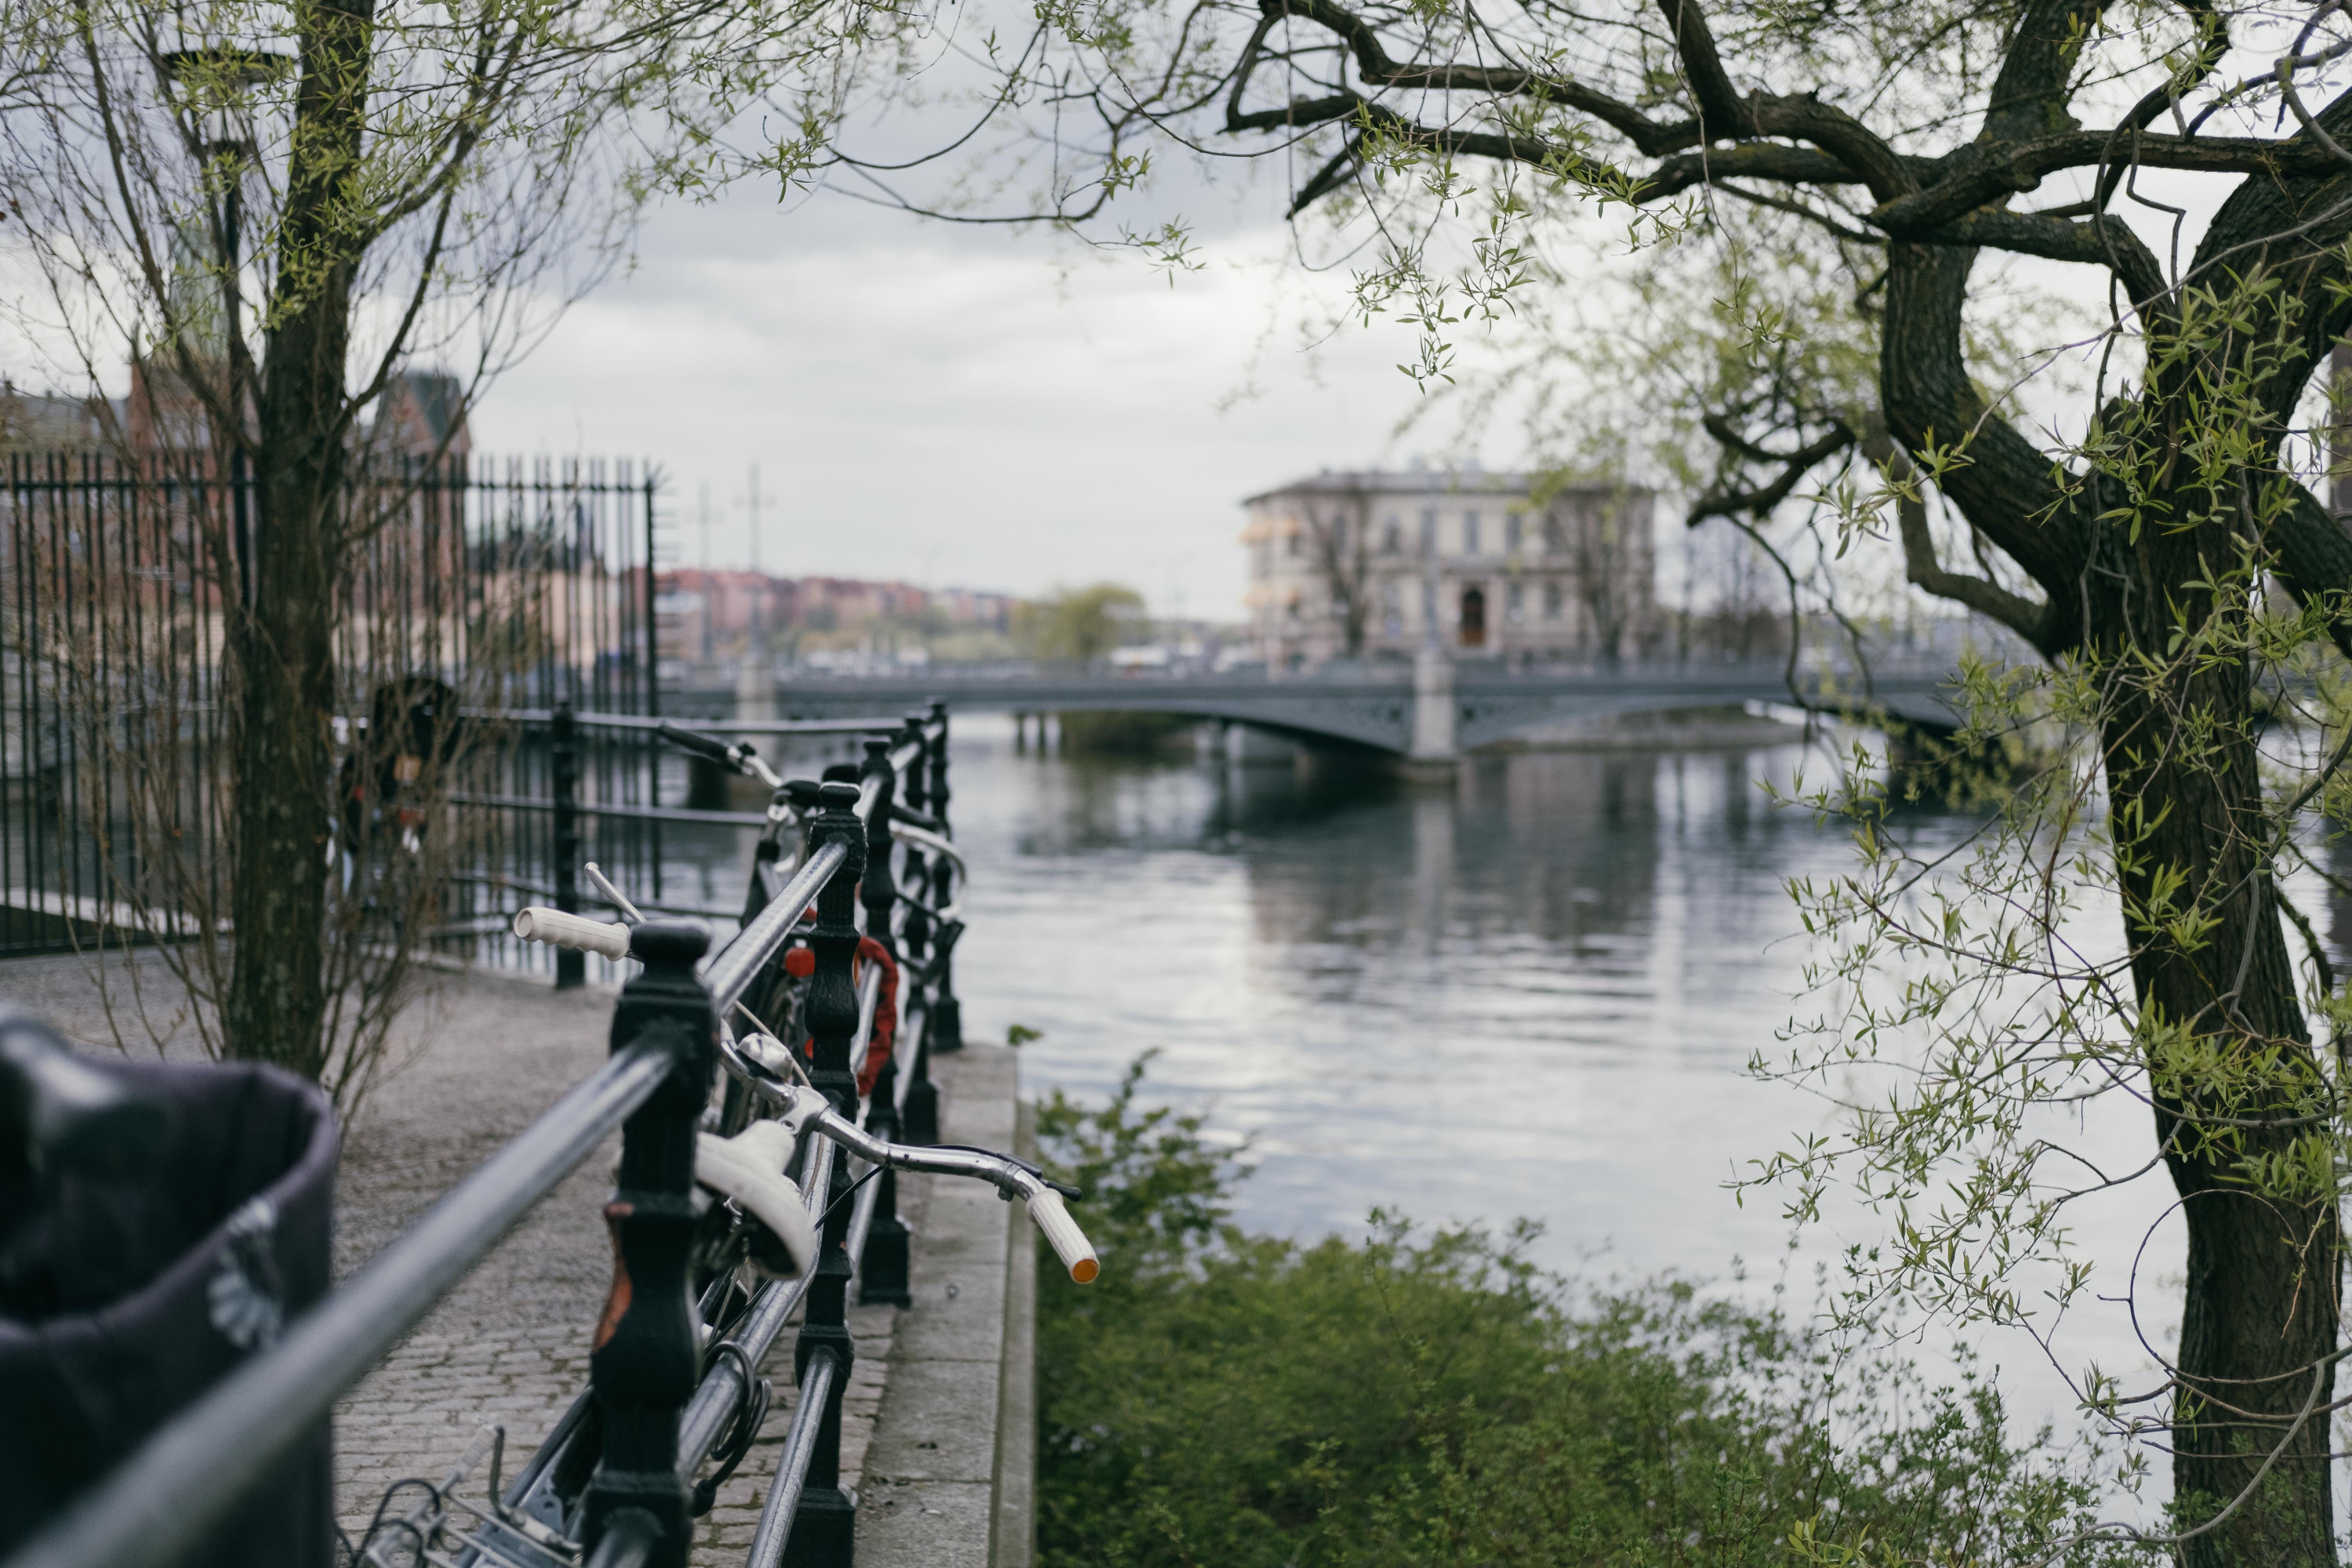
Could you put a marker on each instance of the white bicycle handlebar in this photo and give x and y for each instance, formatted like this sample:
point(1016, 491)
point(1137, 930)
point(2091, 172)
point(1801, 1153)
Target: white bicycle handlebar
point(1069, 1243)
point(806, 1110)
point(554, 927)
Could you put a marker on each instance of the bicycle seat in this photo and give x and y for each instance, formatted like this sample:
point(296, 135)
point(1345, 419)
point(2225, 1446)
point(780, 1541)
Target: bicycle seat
point(750, 1168)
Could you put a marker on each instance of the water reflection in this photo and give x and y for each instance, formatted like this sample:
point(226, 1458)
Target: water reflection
point(1530, 994)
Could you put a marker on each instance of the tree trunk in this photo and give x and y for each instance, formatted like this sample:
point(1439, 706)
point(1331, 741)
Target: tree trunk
point(283, 642)
point(2259, 1306)
point(2260, 1311)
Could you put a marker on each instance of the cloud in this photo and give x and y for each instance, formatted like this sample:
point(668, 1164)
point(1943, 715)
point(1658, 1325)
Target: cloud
point(953, 405)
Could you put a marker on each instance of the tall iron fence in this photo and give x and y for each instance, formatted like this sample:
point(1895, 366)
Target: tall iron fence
point(474, 588)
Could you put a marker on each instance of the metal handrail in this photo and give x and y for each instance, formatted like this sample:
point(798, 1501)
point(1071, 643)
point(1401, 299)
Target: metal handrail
point(792, 1469)
point(682, 813)
point(188, 1478)
point(861, 1224)
point(869, 788)
point(922, 838)
point(817, 1393)
point(869, 1002)
point(732, 970)
point(722, 1388)
point(908, 1047)
point(708, 726)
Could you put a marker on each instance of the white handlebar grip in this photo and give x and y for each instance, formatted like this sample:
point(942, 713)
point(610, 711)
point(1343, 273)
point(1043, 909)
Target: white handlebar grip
point(539, 923)
point(1068, 1240)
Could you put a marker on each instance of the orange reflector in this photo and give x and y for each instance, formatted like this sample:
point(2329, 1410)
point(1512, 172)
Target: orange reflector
point(800, 963)
point(1085, 1270)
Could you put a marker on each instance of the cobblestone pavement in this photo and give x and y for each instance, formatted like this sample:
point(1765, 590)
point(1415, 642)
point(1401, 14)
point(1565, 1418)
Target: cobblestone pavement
point(415, 1412)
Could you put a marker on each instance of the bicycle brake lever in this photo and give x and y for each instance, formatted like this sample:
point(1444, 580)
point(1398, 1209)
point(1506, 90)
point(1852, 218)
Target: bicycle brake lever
point(630, 914)
point(802, 1106)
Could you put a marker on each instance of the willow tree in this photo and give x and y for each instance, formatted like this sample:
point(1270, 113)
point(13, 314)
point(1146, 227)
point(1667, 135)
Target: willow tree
point(1826, 199)
point(271, 208)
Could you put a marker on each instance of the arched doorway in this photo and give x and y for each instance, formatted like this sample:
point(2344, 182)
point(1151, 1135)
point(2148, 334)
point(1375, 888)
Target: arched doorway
point(1473, 618)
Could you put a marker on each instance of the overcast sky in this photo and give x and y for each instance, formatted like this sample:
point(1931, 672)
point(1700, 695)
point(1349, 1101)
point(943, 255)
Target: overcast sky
point(981, 407)
point(954, 406)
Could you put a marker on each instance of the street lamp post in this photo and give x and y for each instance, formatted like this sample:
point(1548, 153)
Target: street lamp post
point(219, 78)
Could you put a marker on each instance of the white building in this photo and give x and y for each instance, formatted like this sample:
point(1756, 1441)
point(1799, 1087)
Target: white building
point(1344, 564)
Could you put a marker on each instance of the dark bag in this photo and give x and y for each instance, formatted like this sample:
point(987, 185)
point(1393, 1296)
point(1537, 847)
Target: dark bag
point(122, 1301)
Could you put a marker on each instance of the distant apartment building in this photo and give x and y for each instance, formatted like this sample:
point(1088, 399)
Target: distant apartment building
point(45, 422)
point(1358, 565)
point(422, 414)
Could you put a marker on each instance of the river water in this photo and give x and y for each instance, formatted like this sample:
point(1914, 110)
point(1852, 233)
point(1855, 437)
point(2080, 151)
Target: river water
point(1534, 994)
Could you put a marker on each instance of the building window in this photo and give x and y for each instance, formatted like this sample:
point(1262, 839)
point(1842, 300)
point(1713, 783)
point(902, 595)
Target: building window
point(1469, 533)
point(1515, 602)
point(1473, 618)
point(1555, 534)
point(1393, 542)
point(1514, 533)
point(1551, 601)
point(1392, 607)
point(1290, 542)
point(1428, 534)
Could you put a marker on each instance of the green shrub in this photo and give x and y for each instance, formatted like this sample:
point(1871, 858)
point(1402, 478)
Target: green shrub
point(1224, 1398)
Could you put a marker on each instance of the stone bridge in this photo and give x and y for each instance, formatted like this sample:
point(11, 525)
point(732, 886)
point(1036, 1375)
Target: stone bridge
point(1430, 712)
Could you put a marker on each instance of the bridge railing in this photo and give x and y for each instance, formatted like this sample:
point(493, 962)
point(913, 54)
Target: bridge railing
point(1379, 671)
point(670, 1396)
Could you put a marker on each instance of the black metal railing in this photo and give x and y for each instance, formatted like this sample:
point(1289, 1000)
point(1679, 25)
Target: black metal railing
point(589, 781)
point(662, 1403)
point(509, 585)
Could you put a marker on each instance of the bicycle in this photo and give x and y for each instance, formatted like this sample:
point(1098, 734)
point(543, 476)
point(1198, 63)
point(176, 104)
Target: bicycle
point(783, 1215)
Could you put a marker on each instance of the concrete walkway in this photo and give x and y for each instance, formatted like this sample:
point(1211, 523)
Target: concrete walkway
point(952, 1469)
point(476, 1061)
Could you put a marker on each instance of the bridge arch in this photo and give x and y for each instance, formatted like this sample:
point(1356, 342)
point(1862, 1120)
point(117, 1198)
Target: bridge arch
point(1364, 709)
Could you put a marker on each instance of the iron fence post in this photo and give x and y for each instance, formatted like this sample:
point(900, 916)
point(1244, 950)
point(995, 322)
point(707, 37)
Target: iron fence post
point(563, 766)
point(946, 1031)
point(645, 1354)
point(882, 1266)
point(880, 889)
point(653, 681)
point(825, 1525)
point(916, 936)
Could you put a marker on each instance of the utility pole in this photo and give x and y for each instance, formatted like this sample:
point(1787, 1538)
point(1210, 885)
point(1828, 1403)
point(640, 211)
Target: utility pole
point(709, 600)
point(759, 632)
point(755, 677)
